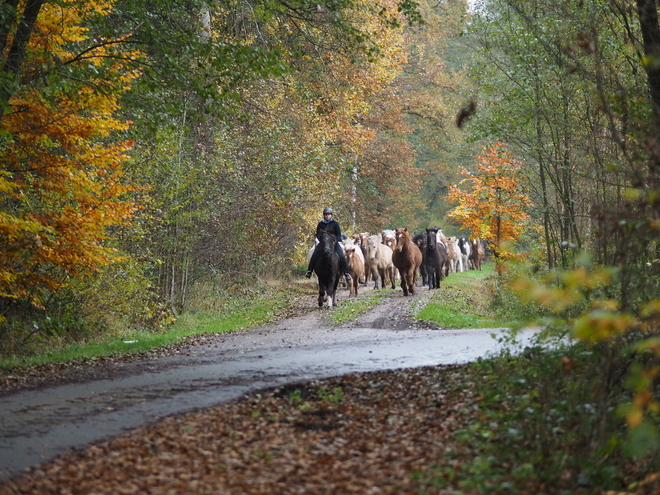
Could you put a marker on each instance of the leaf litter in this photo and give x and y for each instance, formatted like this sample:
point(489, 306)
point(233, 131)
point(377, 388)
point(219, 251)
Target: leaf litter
point(362, 433)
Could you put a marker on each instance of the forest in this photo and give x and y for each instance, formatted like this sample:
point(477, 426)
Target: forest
point(152, 150)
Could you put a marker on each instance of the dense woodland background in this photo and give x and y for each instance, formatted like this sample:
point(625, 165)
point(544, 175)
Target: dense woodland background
point(155, 153)
point(154, 150)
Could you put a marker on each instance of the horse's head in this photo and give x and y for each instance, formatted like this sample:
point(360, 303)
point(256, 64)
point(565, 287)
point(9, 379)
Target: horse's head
point(420, 240)
point(364, 239)
point(349, 252)
point(373, 242)
point(402, 238)
point(328, 242)
point(431, 238)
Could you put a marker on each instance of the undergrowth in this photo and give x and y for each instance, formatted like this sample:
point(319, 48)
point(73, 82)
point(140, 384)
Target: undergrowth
point(548, 424)
point(231, 309)
point(477, 299)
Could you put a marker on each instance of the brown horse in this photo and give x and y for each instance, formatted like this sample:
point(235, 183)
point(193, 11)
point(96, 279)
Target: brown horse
point(364, 237)
point(477, 253)
point(355, 268)
point(406, 258)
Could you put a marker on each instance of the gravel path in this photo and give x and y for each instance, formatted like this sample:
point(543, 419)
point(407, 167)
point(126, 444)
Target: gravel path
point(89, 403)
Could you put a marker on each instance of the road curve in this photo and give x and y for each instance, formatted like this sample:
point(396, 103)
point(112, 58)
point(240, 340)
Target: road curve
point(38, 425)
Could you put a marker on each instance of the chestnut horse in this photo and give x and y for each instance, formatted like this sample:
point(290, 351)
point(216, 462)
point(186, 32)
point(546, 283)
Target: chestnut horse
point(420, 240)
point(477, 253)
point(355, 267)
point(364, 237)
point(407, 258)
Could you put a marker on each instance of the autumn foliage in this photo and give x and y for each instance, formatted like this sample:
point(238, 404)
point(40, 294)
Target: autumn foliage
point(61, 173)
point(491, 202)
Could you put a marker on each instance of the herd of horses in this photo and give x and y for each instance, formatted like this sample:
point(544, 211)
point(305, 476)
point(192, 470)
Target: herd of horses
point(394, 255)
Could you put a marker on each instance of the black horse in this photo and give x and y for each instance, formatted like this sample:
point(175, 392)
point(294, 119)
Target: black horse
point(435, 258)
point(420, 240)
point(327, 269)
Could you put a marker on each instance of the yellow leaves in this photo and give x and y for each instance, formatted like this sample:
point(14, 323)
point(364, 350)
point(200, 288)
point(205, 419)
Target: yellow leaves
point(602, 325)
point(553, 298)
point(641, 382)
point(65, 183)
point(651, 309)
point(652, 344)
point(580, 278)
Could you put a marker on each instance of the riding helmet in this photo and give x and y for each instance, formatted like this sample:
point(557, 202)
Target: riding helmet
point(327, 210)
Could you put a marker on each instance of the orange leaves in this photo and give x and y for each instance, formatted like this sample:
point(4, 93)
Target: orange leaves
point(491, 203)
point(61, 171)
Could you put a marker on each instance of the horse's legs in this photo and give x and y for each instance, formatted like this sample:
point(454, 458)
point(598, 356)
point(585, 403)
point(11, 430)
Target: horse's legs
point(332, 296)
point(322, 295)
point(404, 284)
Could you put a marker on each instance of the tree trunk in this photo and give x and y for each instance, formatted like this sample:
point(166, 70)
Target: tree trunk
point(648, 20)
point(11, 70)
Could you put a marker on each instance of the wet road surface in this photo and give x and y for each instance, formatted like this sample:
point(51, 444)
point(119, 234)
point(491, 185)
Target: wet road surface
point(37, 425)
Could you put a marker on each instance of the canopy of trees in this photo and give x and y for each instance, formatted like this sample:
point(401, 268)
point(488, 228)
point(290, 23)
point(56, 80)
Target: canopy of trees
point(61, 174)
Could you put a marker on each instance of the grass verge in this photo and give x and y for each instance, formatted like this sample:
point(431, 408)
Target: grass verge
point(464, 300)
point(234, 312)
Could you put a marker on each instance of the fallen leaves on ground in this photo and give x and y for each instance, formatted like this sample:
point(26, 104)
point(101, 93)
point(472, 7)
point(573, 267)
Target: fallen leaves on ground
point(357, 434)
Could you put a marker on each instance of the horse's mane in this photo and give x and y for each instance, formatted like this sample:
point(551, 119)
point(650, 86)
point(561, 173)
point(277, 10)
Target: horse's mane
point(420, 239)
point(326, 233)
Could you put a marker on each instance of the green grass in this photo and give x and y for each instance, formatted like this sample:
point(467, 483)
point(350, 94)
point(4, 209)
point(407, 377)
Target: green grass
point(235, 313)
point(464, 301)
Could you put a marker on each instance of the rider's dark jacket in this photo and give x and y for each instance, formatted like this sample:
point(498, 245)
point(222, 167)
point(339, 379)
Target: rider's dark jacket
point(332, 226)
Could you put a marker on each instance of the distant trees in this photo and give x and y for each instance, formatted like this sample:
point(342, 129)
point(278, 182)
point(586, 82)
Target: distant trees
point(574, 88)
point(174, 132)
point(567, 88)
point(234, 181)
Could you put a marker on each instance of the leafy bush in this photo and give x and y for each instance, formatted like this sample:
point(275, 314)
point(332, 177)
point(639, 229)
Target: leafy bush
point(113, 302)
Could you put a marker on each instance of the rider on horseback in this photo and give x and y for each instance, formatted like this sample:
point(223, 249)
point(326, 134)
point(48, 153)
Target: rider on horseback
point(330, 225)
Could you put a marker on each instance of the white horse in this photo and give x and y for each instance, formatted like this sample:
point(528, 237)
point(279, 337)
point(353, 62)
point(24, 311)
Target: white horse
point(457, 255)
point(464, 246)
point(379, 261)
point(389, 237)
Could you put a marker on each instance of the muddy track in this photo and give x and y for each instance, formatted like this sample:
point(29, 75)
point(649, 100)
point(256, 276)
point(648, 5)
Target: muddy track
point(74, 405)
point(306, 324)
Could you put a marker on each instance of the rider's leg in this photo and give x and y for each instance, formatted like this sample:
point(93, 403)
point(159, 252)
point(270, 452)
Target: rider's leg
point(312, 260)
point(342, 261)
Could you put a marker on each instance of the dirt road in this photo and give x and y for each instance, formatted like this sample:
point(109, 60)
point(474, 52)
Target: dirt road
point(85, 405)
